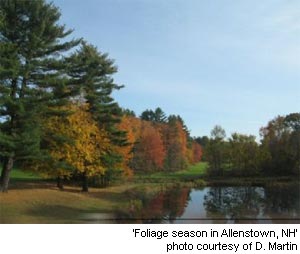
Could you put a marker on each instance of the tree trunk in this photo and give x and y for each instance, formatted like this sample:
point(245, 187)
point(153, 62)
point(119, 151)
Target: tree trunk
point(85, 187)
point(102, 181)
point(7, 166)
point(59, 183)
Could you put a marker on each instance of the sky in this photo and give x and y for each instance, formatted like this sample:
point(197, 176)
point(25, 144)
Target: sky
point(231, 63)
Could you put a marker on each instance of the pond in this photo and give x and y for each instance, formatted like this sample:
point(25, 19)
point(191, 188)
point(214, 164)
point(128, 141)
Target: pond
point(278, 203)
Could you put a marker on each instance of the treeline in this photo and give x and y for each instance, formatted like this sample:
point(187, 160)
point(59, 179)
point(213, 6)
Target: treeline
point(158, 142)
point(58, 116)
point(277, 153)
point(57, 113)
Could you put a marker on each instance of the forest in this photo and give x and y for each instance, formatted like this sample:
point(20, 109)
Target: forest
point(58, 117)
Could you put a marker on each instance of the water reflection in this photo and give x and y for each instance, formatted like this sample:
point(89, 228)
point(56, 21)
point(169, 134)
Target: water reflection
point(164, 207)
point(247, 204)
point(234, 203)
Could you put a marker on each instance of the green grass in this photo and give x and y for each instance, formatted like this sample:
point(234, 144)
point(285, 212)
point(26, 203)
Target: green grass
point(30, 200)
point(191, 173)
point(20, 175)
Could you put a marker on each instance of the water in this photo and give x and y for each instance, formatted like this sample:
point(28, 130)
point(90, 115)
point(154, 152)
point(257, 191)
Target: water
point(278, 203)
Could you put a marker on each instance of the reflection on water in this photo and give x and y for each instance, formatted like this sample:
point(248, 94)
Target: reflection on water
point(248, 204)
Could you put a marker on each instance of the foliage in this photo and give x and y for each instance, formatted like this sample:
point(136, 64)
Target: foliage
point(243, 154)
point(92, 71)
point(216, 151)
point(281, 140)
point(149, 152)
point(32, 76)
point(75, 143)
point(157, 116)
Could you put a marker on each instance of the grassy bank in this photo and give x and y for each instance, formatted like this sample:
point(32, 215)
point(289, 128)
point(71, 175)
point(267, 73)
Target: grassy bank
point(193, 172)
point(32, 199)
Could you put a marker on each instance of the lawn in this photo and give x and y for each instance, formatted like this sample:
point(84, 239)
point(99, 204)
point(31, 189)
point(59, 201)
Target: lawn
point(47, 204)
point(193, 172)
point(20, 175)
point(32, 199)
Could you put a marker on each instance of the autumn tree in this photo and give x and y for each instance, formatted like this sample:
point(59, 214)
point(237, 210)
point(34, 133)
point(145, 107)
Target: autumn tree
point(196, 152)
point(131, 125)
point(32, 76)
point(203, 142)
point(81, 150)
point(175, 141)
point(148, 152)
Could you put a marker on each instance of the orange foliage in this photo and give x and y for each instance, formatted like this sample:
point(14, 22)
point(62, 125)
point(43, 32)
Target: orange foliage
point(175, 140)
point(131, 125)
point(149, 151)
point(197, 152)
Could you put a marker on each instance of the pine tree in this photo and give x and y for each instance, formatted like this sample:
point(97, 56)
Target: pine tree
point(92, 71)
point(157, 116)
point(32, 76)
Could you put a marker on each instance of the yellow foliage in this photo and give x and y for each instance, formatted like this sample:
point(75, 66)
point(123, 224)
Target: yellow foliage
point(87, 142)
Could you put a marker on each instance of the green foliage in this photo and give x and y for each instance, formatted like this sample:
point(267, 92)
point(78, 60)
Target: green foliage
point(281, 139)
point(157, 116)
point(243, 154)
point(216, 151)
point(21, 175)
point(92, 71)
point(32, 76)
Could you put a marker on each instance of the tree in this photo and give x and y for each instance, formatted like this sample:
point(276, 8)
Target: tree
point(175, 141)
point(32, 76)
point(80, 153)
point(196, 152)
point(147, 115)
point(157, 116)
point(149, 152)
point(92, 71)
point(243, 154)
point(131, 125)
point(215, 150)
point(281, 139)
point(203, 142)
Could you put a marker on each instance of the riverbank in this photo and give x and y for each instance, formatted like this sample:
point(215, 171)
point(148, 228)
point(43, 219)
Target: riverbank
point(32, 199)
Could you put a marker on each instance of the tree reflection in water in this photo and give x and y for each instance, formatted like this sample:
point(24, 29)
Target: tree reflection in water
point(233, 203)
point(282, 201)
point(163, 208)
point(247, 204)
point(253, 204)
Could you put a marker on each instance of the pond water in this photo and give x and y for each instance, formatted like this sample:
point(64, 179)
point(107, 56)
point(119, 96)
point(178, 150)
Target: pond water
point(278, 203)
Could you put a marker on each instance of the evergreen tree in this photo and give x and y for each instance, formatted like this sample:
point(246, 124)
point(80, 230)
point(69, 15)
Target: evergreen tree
point(92, 71)
point(147, 115)
point(32, 76)
point(157, 116)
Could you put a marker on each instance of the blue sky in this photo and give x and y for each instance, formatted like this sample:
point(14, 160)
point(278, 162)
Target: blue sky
point(232, 63)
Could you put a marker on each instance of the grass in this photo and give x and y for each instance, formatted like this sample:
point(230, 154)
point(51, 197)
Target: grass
point(34, 200)
point(20, 175)
point(193, 172)
point(49, 205)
